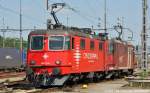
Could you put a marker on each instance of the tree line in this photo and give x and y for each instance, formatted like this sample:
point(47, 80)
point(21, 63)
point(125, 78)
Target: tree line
point(9, 42)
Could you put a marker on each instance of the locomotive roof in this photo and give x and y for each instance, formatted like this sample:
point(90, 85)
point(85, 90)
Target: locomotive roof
point(62, 31)
point(120, 41)
point(72, 32)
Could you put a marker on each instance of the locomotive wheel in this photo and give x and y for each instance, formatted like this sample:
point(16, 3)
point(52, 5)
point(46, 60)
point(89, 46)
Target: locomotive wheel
point(96, 78)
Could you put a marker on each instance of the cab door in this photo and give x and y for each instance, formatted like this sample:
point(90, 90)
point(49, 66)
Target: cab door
point(101, 56)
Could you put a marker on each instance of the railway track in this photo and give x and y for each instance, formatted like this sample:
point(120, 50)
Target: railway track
point(22, 86)
point(9, 74)
point(25, 87)
point(10, 78)
point(14, 82)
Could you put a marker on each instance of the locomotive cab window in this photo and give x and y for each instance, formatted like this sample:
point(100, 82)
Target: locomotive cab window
point(100, 46)
point(82, 44)
point(111, 48)
point(72, 41)
point(67, 43)
point(92, 45)
point(56, 42)
point(37, 42)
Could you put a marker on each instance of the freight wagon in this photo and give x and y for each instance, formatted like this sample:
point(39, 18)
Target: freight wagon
point(10, 59)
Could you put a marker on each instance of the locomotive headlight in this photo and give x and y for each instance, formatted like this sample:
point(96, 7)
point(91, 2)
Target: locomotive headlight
point(32, 62)
point(58, 62)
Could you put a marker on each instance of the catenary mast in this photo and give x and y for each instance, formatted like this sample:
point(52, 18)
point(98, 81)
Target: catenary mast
point(144, 37)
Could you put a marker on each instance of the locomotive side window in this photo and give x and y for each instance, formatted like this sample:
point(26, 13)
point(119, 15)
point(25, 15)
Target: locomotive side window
point(56, 42)
point(100, 46)
point(111, 48)
point(37, 42)
point(92, 45)
point(82, 44)
point(72, 43)
point(67, 43)
point(28, 42)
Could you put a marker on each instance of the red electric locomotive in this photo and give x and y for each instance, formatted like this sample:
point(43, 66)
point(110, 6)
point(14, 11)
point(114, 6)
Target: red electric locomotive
point(62, 54)
point(55, 56)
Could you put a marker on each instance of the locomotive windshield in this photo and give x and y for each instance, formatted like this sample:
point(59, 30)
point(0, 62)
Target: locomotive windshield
point(56, 42)
point(37, 42)
point(59, 43)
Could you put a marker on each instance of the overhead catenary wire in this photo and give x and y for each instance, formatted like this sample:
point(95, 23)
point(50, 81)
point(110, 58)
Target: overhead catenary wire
point(94, 11)
point(40, 5)
point(83, 16)
point(87, 17)
point(17, 13)
point(90, 18)
point(91, 7)
point(79, 13)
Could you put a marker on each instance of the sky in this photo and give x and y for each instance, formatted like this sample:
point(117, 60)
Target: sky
point(87, 13)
